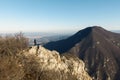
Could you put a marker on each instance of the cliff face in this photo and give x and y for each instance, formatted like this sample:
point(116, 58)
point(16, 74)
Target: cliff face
point(52, 66)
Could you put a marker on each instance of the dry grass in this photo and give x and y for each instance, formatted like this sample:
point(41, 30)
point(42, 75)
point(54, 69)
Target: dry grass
point(10, 68)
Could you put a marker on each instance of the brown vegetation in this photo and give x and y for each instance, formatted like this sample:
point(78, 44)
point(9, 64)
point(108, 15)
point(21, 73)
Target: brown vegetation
point(10, 64)
point(13, 44)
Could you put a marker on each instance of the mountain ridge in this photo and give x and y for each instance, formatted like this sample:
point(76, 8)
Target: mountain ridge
point(97, 47)
point(77, 37)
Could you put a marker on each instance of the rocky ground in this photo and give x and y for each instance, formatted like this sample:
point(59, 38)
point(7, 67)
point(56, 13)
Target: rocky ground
point(38, 63)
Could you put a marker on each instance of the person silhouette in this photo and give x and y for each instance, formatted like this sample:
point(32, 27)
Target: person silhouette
point(35, 43)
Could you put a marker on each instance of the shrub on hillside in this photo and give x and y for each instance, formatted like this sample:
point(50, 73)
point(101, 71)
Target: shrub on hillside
point(13, 44)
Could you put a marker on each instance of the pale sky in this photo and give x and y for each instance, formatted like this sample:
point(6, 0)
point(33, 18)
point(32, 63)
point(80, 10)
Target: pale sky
point(58, 15)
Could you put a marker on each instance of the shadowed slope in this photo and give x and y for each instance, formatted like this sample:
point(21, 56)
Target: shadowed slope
point(66, 44)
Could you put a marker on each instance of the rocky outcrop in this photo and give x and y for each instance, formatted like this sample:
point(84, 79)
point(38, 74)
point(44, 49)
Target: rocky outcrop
point(52, 66)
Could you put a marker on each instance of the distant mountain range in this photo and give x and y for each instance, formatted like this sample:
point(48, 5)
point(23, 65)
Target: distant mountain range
point(116, 31)
point(46, 39)
point(97, 47)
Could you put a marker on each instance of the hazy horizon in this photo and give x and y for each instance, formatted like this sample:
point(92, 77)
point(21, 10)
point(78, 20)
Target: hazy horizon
point(58, 15)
